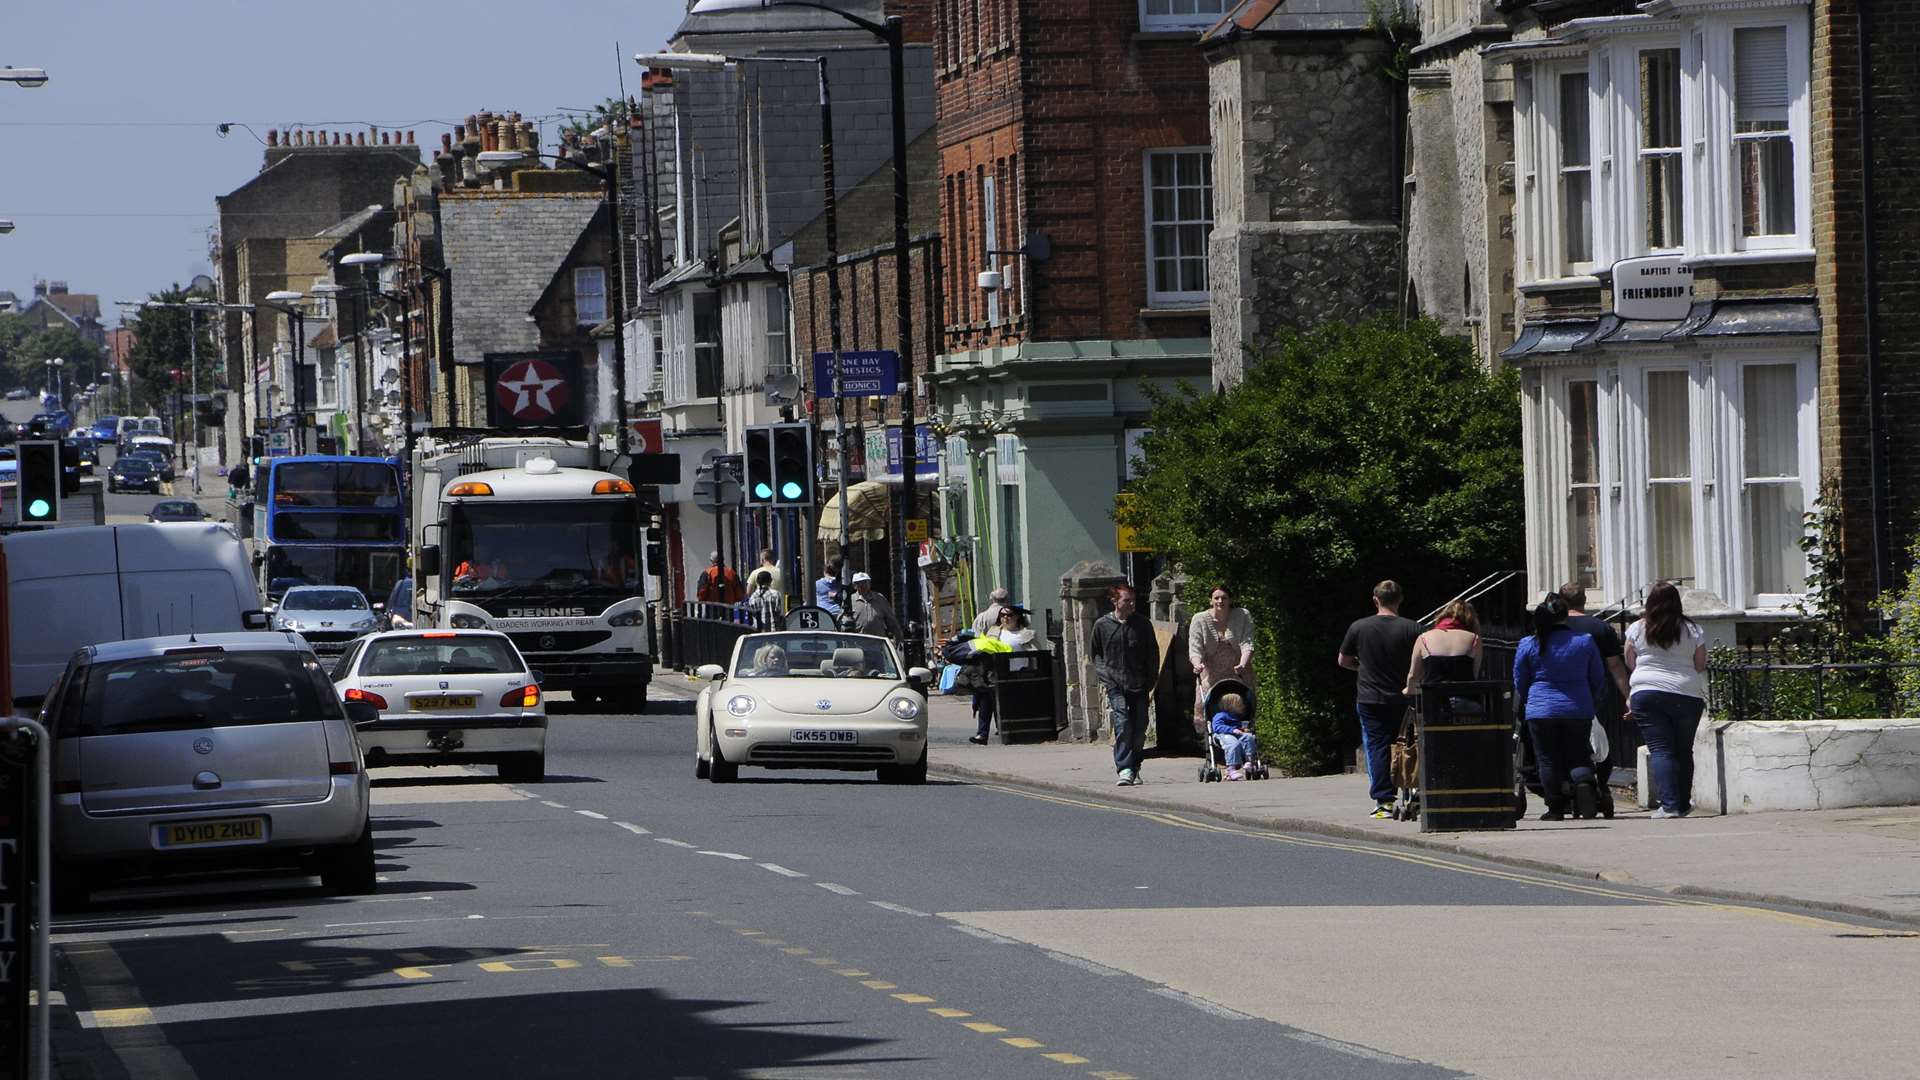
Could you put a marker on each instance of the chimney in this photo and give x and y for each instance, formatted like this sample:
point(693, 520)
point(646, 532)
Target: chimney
point(56, 288)
point(336, 138)
point(383, 139)
point(273, 138)
point(359, 138)
point(409, 138)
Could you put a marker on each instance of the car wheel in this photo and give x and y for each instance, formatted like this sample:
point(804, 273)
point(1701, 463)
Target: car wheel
point(586, 698)
point(905, 774)
point(72, 888)
point(720, 770)
point(348, 870)
point(700, 766)
point(634, 701)
point(530, 767)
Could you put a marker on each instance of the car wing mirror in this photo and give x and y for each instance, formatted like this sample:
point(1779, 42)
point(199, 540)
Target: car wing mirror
point(254, 620)
point(710, 672)
point(919, 676)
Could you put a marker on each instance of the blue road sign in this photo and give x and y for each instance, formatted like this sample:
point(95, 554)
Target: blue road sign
point(874, 373)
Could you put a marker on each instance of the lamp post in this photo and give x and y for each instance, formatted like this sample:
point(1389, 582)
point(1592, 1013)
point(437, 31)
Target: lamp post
point(893, 33)
point(31, 78)
point(359, 295)
point(193, 309)
point(405, 300)
point(297, 324)
point(6, 225)
point(616, 278)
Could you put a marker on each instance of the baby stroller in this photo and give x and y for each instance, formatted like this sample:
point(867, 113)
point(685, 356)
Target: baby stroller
point(1215, 768)
point(1526, 770)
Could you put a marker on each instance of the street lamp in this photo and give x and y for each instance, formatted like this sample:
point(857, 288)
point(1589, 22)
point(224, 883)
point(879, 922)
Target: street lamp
point(893, 33)
point(378, 258)
point(31, 78)
point(609, 179)
point(330, 290)
point(193, 308)
point(297, 324)
point(6, 225)
point(54, 381)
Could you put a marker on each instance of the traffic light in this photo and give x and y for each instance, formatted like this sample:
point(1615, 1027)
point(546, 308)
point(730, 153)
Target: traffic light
point(792, 465)
point(39, 482)
point(69, 469)
point(759, 455)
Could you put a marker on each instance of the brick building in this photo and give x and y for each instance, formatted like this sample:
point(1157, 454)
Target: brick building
point(55, 307)
point(1077, 182)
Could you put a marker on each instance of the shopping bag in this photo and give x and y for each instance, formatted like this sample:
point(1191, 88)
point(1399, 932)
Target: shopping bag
point(1404, 754)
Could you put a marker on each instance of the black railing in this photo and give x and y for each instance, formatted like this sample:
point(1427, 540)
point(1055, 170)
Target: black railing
point(1769, 683)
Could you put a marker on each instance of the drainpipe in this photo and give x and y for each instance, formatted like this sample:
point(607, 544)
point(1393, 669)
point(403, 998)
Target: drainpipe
point(1876, 419)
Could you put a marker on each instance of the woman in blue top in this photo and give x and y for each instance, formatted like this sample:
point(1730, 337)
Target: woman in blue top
point(1558, 675)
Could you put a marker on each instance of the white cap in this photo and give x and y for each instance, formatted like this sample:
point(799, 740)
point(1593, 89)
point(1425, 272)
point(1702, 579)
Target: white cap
point(862, 576)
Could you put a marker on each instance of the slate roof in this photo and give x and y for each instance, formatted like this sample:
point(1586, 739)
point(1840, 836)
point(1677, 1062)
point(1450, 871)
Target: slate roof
point(342, 230)
point(502, 249)
point(1282, 16)
point(76, 305)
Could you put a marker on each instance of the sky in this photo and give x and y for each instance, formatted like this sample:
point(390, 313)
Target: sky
point(109, 171)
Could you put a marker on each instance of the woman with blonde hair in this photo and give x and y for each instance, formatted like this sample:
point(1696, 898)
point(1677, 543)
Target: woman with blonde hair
point(1450, 652)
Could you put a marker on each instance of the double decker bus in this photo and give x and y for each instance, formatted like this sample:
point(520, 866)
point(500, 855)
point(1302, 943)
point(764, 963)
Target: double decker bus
point(330, 520)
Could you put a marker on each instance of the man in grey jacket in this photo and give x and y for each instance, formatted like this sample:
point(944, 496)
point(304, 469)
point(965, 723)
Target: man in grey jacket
point(872, 614)
point(1126, 657)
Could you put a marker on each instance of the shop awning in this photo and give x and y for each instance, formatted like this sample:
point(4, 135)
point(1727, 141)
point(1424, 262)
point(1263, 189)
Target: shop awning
point(867, 506)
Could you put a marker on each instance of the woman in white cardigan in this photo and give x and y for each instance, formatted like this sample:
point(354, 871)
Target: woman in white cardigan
point(1220, 646)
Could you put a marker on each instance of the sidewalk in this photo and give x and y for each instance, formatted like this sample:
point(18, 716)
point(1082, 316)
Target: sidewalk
point(1861, 861)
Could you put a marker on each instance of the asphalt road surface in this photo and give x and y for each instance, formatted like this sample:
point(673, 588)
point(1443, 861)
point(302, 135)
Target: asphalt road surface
point(622, 919)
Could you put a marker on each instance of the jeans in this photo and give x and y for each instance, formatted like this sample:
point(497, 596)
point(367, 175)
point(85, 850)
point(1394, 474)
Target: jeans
point(983, 711)
point(1240, 748)
point(1130, 719)
point(1667, 725)
point(1379, 723)
point(1563, 751)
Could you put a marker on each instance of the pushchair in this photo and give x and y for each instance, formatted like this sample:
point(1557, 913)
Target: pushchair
point(1215, 768)
point(1526, 770)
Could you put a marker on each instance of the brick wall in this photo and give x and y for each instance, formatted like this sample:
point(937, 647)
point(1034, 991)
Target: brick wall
point(1057, 101)
point(867, 312)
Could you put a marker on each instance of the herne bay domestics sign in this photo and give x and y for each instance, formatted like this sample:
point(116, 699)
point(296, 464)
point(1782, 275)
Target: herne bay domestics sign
point(1654, 287)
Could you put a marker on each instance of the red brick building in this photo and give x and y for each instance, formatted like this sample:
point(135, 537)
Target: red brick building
point(1076, 199)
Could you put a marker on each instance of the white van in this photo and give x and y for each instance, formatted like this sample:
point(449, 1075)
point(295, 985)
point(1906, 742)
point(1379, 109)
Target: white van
point(69, 588)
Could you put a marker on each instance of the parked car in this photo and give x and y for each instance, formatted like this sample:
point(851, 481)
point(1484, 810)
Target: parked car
point(176, 510)
point(328, 616)
point(88, 456)
point(133, 474)
point(812, 700)
point(106, 429)
point(447, 697)
point(19, 393)
point(162, 463)
point(176, 754)
point(400, 605)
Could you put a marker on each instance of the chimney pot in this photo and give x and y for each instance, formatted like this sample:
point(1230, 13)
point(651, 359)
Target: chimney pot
point(446, 143)
point(383, 139)
point(336, 138)
point(273, 137)
point(409, 138)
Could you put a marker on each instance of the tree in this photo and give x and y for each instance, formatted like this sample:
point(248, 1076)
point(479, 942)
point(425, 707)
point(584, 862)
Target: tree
point(1348, 455)
point(161, 347)
point(26, 351)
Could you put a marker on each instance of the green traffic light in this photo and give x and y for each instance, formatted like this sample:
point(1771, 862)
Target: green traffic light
point(762, 490)
point(39, 508)
point(790, 491)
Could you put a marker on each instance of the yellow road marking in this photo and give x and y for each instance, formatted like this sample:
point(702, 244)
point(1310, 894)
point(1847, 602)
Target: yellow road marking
point(119, 1018)
point(794, 950)
point(531, 963)
point(1431, 861)
point(851, 973)
point(914, 999)
point(949, 1014)
point(1112, 1076)
point(823, 961)
point(1021, 1042)
point(1066, 1059)
point(416, 972)
point(751, 933)
point(983, 1027)
point(879, 984)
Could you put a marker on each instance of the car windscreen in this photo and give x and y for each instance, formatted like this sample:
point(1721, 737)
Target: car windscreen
point(203, 688)
point(824, 656)
point(325, 600)
point(133, 465)
point(454, 654)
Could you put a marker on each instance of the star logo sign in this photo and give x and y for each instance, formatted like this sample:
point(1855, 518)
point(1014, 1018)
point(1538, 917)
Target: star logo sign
point(532, 391)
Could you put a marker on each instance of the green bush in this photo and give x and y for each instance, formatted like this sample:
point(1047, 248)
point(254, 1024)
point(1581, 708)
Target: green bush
point(1349, 454)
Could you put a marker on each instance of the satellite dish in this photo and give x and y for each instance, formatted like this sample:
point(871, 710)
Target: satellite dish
point(200, 283)
point(783, 389)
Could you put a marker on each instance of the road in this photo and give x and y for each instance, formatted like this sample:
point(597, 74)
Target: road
point(623, 919)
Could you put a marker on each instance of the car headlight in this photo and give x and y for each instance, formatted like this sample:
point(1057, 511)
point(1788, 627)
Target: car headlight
point(740, 704)
point(904, 708)
point(629, 618)
point(464, 621)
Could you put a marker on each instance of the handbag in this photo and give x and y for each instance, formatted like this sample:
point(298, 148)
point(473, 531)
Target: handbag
point(1404, 753)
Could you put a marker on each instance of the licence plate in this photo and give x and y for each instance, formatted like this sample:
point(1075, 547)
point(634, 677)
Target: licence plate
point(247, 830)
point(443, 701)
point(815, 736)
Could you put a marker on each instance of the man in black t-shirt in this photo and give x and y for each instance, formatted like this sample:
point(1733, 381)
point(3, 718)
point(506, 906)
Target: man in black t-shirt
point(1612, 653)
point(1380, 648)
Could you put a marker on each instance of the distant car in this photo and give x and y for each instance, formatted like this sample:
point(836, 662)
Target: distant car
point(176, 510)
point(54, 422)
point(105, 428)
point(132, 474)
point(19, 393)
point(812, 700)
point(89, 457)
point(160, 462)
point(447, 697)
point(400, 605)
point(9, 462)
point(328, 616)
point(203, 752)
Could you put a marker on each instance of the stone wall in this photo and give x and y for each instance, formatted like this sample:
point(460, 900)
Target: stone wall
point(1083, 600)
point(1806, 765)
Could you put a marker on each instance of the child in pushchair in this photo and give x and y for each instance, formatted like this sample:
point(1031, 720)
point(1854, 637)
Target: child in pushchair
point(1230, 704)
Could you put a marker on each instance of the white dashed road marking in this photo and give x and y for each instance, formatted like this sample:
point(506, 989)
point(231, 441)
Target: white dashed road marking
point(833, 888)
point(591, 814)
point(675, 843)
point(634, 829)
point(901, 908)
point(778, 869)
point(725, 855)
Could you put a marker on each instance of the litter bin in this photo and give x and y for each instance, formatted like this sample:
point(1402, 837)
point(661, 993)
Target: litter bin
point(1022, 687)
point(1466, 756)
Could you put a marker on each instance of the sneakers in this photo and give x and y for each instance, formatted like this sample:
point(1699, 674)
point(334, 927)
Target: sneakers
point(1236, 774)
point(977, 740)
point(1382, 811)
point(1661, 813)
point(1553, 815)
point(1127, 778)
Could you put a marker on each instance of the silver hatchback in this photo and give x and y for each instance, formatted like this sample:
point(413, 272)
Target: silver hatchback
point(185, 753)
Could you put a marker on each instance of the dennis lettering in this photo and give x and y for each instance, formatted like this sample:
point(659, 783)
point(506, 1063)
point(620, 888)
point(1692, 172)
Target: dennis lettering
point(547, 613)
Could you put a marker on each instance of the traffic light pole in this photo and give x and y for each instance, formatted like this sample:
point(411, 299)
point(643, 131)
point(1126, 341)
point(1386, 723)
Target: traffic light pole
point(832, 222)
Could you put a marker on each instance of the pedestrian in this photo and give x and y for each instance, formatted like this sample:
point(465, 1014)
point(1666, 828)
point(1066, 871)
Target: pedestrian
point(1126, 657)
point(1558, 675)
point(1667, 654)
point(826, 591)
point(1219, 646)
point(718, 583)
point(872, 613)
point(1230, 729)
point(1450, 652)
point(763, 603)
point(1015, 629)
point(770, 565)
point(989, 617)
point(1380, 648)
point(1613, 704)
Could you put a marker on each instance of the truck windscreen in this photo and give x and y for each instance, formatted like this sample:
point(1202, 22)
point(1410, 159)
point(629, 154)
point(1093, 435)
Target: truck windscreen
point(543, 548)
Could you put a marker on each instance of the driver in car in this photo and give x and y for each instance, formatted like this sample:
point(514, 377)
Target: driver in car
point(770, 662)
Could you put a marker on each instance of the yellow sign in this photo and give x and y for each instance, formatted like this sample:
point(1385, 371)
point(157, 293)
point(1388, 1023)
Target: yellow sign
point(916, 530)
point(1127, 538)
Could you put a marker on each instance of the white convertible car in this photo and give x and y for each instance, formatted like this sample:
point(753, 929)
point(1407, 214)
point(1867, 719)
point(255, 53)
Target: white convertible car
point(812, 700)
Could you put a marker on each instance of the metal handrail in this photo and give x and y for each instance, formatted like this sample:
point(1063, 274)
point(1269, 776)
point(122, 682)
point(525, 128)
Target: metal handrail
point(1474, 592)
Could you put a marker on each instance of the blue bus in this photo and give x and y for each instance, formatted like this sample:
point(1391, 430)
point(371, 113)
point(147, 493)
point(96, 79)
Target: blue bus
point(329, 520)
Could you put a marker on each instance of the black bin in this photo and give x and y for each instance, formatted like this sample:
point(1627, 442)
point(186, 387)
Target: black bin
point(1022, 687)
point(1466, 756)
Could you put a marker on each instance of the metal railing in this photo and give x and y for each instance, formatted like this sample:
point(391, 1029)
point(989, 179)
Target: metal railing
point(1767, 683)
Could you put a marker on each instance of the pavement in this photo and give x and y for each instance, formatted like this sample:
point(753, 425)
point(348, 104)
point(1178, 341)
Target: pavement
point(1863, 861)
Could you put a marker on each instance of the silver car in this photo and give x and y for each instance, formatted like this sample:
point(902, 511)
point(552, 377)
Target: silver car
point(185, 753)
point(328, 616)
